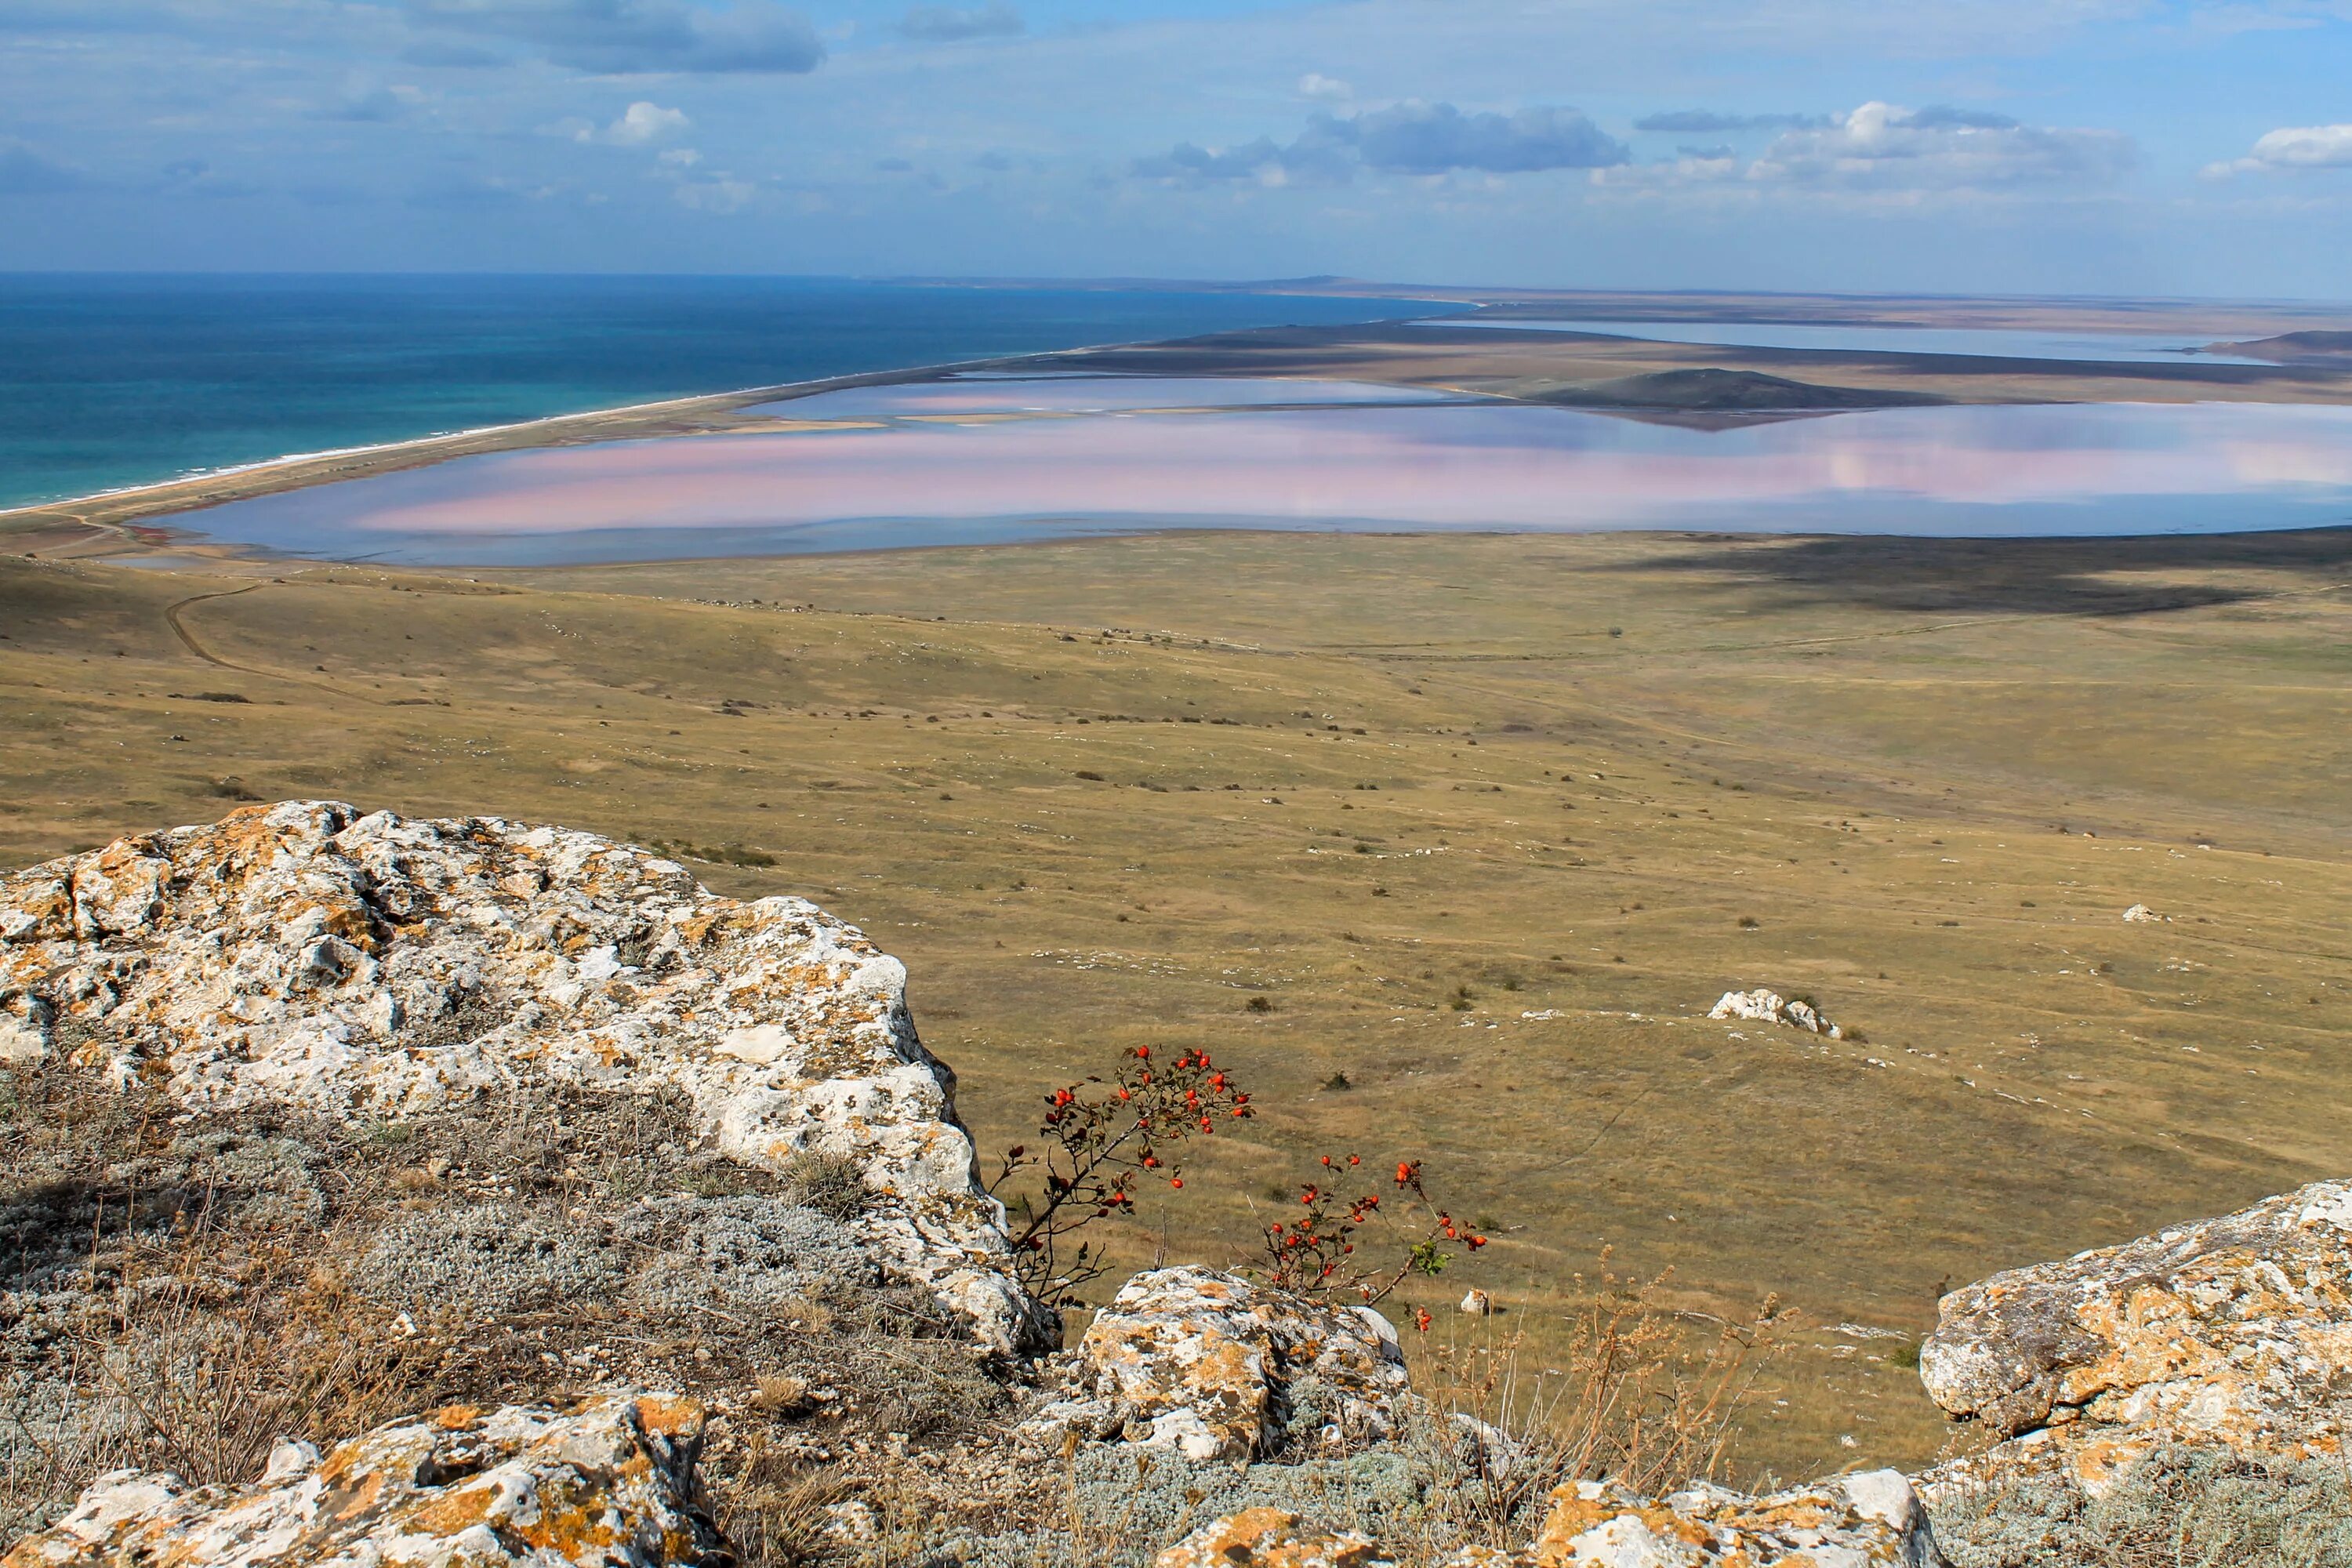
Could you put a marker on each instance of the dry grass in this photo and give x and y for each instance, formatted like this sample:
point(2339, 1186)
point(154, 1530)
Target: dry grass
point(1631, 1391)
point(199, 1370)
point(1869, 747)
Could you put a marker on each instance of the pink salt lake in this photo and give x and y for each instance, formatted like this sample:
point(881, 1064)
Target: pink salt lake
point(986, 461)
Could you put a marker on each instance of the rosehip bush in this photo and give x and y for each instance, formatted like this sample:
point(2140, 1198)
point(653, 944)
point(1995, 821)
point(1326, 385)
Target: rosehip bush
point(1100, 1142)
point(1328, 1249)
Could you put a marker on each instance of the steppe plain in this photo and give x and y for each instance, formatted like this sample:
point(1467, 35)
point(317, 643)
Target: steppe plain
point(1489, 821)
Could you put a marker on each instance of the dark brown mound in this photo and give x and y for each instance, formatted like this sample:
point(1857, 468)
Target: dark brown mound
point(1724, 392)
point(2288, 348)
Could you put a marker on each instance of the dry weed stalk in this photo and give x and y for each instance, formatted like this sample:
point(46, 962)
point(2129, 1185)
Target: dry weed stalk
point(198, 1358)
point(1630, 1398)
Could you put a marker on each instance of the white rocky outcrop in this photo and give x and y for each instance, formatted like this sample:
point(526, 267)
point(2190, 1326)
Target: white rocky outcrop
point(606, 1484)
point(1870, 1519)
point(2140, 914)
point(371, 966)
point(1218, 1367)
point(1764, 1006)
point(2233, 1332)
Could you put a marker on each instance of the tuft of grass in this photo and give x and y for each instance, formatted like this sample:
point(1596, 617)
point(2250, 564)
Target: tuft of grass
point(832, 1184)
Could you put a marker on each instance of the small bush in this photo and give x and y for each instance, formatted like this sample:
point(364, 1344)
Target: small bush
point(1259, 1005)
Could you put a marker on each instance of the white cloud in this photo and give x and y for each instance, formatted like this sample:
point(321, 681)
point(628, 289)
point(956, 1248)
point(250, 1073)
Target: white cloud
point(1314, 84)
point(1881, 145)
point(720, 194)
point(1409, 138)
point(643, 124)
point(2294, 147)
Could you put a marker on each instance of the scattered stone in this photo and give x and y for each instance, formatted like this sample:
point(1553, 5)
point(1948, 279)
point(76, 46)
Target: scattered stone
point(1219, 1368)
point(2140, 914)
point(1764, 1006)
point(2233, 1332)
point(1870, 1519)
point(375, 967)
point(1270, 1538)
point(609, 1483)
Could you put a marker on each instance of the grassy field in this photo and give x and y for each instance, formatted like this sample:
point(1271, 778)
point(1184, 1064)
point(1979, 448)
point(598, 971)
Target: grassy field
point(1488, 822)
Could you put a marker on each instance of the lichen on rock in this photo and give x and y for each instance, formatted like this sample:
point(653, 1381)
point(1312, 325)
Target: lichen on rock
point(1218, 1367)
point(608, 1483)
point(1270, 1538)
point(1869, 1520)
point(368, 966)
point(2233, 1332)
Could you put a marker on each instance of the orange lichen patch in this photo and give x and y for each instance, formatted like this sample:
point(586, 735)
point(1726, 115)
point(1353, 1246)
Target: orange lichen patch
point(451, 1512)
point(352, 1493)
point(1573, 1515)
point(666, 1417)
point(1268, 1538)
point(457, 1417)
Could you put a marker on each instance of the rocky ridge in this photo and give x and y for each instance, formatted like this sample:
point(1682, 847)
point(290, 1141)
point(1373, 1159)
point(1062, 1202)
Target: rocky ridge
point(2233, 1332)
point(612, 1481)
point(366, 965)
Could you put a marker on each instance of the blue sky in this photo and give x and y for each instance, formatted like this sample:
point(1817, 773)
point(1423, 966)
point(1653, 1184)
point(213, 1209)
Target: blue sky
point(2097, 146)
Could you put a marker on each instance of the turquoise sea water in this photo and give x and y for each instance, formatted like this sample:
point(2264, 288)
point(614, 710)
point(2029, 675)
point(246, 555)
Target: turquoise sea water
point(122, 380)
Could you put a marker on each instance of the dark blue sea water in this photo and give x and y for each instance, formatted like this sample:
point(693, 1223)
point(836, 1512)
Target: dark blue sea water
point(114, 381)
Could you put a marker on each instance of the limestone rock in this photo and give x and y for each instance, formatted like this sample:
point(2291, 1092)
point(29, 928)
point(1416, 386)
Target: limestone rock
point(369, 965)
point(2140, 914)
point(1270, 1538)
point(2235, 1333)
point(1221, 1368)
point(1478, 1304)
point(610, 1483)
point(1870, 1519)
point(1771, 1008)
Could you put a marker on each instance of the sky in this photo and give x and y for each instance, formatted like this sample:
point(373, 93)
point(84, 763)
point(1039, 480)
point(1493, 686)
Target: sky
point(2167, 147)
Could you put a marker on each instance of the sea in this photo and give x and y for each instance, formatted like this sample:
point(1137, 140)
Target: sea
point(108, 380)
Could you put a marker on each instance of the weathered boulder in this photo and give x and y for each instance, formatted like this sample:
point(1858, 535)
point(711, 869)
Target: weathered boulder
point(1771, 1008)
point(1218, 1367)
point(608, 1483)
point(1870, 1519)
point(1270, 1538)
point(372, 966)
point(2233, 1332)
point(2140, 914)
